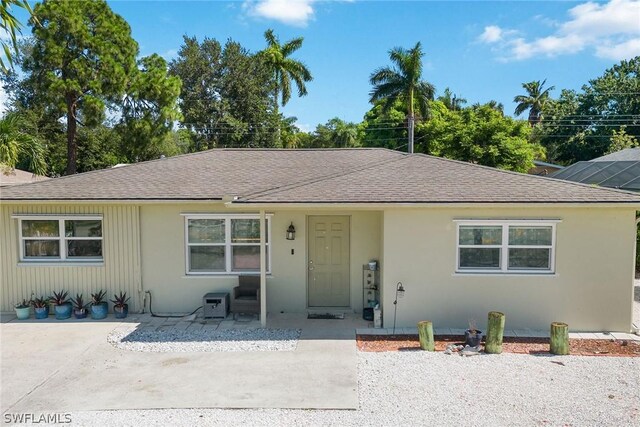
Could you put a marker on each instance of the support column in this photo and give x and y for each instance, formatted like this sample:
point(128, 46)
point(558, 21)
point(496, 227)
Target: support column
point(263, 269)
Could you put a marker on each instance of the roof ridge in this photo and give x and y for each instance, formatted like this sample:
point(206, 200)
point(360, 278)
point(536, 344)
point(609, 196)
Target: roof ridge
point(274, 190)
point(556, 180)
point(209, 151)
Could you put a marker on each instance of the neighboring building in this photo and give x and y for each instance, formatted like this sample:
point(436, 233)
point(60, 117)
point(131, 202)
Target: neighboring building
point(17, 176)
point(543, 168)
point(463, 239)
point(619, 170)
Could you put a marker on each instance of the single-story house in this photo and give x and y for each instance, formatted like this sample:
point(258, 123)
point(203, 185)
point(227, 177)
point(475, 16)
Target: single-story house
point(18, 176)
point(544, 168)
point(462, 239)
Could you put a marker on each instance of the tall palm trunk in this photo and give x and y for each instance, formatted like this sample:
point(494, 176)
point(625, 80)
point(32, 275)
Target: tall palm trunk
point(72, 126)
point(277, 112)
point(411, 122)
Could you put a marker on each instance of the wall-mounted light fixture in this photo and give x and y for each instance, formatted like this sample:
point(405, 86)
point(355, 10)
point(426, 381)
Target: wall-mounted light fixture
point(291, 232)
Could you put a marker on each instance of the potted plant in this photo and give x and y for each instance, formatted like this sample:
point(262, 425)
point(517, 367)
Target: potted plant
point(472, 336)
point(61, 305)
point(79, 307)
point(22, 310)
point(40, 307)
point(99, 307)
point(120, 306)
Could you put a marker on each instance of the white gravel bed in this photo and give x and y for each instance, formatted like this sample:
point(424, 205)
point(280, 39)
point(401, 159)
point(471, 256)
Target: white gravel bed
point(174, 340)
point(420, 388)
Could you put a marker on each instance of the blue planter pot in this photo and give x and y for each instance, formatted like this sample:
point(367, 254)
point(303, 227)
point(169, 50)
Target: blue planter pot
point(80, 314)
point(41, 312)
point(99, 311)
point(121, 312)
point(63, 311)
point(22, 313)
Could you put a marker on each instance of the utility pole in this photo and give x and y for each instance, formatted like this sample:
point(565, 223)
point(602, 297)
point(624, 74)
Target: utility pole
point(411, 126)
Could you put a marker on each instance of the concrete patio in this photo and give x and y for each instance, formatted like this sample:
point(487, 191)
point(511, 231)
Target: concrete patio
point(64, 366)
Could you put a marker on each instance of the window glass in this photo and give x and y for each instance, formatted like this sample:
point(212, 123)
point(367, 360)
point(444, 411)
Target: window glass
point(529, 259)
point(480, 235)
point(84, 248)
point(245, 231)
point(246, 258)
point(83, 228)
point(206, 231)
point(530, 236)
point(480, 258)
point(40, 228)
point(207, 258)
point(41, 248)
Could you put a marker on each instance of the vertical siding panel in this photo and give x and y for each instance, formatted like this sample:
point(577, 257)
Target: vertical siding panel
point(121, 248)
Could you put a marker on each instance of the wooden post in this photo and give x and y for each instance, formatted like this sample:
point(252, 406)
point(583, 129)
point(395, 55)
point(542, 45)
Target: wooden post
point(425, 332)
point(559, 343)
point(495, 332)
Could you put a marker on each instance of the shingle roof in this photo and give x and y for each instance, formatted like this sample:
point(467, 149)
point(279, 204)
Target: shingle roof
point(207, 175)
point(17, 176)
point(628, 154)
point(314, 176)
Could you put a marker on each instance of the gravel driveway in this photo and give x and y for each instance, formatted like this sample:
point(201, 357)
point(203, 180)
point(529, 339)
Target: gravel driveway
point(419, 388)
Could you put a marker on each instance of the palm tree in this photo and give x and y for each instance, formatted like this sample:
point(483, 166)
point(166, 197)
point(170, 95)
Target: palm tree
point(534, 100)
point(284, 69)
point(16, 145)
point(10, 28)
point(451, 100)
point(402, 83)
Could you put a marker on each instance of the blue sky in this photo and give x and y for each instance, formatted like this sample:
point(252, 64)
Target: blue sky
point(481, 50)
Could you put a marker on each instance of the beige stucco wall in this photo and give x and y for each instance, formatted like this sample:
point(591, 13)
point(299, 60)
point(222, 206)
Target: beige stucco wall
point(591, 290)
point(119, 271)
point(163, 258)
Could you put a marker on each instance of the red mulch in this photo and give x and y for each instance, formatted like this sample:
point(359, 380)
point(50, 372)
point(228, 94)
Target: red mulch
point(578, 347)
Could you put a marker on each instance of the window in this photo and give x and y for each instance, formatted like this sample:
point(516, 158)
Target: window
point(492, 246)
point(218, 244)
point(60, 239)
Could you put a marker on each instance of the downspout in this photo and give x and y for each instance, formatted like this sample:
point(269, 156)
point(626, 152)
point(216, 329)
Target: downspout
point(634, 328)
point(263, 269)
point(141, 295)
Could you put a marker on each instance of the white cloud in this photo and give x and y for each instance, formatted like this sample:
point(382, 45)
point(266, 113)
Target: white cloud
point(611, 30)
point(290, 12)
point(627, 49)
point(491, 34)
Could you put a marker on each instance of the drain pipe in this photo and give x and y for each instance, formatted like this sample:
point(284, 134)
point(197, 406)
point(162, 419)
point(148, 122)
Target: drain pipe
point(635, 328)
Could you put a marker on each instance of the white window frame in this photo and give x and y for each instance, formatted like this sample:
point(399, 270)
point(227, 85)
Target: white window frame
point(62, 239)
point(504, 246)
point(228, 245)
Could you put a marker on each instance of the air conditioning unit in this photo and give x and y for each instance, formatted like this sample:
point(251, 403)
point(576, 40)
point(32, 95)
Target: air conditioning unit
point(215, 305)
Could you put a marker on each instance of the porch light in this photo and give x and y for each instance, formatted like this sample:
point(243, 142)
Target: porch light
point(291, 232)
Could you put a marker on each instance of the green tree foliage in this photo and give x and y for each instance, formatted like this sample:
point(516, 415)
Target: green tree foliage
point(10, 27)
point(451, 100)
point(84, 55)
point(336, 133)
point(18, 146)
point(148, 110)
point(581, 125)
point(479, 135)
point(385, 128)
point(621, 140)
point(403, 82)
point(535, 100)
point(283, 68)
point(225, 98)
